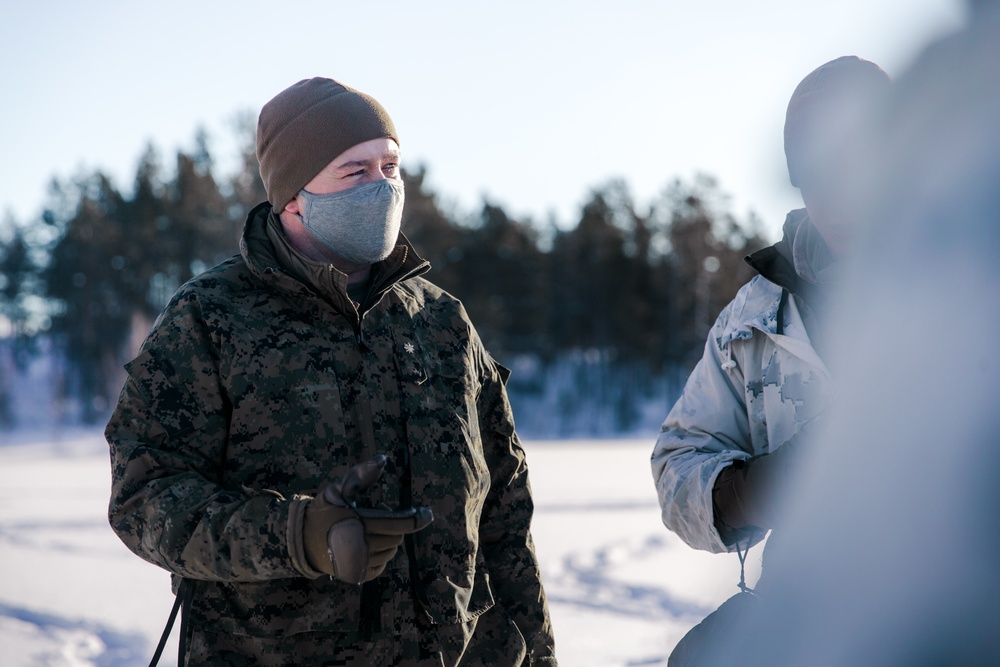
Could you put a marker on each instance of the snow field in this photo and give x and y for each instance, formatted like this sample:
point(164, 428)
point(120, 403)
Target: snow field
point(622, 589)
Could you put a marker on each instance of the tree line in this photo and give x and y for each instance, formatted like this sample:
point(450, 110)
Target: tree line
point(604, 314)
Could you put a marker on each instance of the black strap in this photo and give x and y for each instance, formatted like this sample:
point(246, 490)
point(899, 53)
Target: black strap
point(184, 590)
point(371, 607)
point(782, 304)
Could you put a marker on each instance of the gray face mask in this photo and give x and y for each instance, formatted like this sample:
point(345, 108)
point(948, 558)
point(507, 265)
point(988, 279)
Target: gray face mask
point(360, 225)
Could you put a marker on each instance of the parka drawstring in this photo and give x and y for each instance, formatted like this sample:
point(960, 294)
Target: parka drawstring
point(742, 554)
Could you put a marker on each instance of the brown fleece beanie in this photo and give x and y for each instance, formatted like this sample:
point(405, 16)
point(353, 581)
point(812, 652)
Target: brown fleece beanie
point(304, 127)
point(824, 111)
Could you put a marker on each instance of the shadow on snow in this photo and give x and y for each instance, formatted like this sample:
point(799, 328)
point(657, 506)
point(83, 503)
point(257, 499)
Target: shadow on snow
point(87, 641)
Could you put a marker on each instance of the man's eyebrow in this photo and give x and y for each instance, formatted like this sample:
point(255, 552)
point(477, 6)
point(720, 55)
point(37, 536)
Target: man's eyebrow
point(388, 155)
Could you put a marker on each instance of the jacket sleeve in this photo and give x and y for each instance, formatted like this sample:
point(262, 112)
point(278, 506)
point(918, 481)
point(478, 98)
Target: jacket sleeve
point(505, 526)
point(167, 439)
point(705, 431)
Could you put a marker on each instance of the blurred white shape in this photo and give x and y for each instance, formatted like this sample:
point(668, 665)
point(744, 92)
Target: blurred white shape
point(892, 551)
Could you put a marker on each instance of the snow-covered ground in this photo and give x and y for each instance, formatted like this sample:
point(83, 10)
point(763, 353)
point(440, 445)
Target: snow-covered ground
point(622, 589)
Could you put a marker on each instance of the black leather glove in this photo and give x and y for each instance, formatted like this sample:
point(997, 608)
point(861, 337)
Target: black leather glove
point(352, 544)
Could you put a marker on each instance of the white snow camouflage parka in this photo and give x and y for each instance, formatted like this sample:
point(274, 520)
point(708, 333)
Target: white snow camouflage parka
point(753, 389)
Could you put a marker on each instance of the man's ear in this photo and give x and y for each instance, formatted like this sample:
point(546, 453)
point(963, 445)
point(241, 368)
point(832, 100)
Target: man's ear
point(293, 206)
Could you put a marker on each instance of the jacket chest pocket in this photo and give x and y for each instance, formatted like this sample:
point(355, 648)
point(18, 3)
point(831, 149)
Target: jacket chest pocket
point(450, 475)
point(442, 422)
point(288, 425)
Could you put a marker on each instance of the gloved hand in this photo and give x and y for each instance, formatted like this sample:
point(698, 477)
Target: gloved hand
point(745, 492)
point(352, 544)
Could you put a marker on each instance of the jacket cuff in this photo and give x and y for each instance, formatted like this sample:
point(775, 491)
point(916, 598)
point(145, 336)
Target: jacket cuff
point(296, 547)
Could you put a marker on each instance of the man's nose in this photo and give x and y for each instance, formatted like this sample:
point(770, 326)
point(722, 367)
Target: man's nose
point(375, 175)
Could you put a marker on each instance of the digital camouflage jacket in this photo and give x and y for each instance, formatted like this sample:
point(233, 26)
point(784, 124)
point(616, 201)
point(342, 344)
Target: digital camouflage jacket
point(253, 387)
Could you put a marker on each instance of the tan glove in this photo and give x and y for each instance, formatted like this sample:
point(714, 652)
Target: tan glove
point(351, 544)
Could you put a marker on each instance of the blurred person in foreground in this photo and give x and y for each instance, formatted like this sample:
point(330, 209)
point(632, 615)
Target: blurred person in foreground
point(890, 547)
point(313, 439)
point(760, 393)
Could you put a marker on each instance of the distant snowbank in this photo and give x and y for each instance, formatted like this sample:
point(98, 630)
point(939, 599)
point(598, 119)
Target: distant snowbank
point(580, 393)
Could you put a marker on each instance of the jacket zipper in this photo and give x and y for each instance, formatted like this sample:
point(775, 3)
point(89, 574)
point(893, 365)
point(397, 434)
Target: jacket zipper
point(374, 289)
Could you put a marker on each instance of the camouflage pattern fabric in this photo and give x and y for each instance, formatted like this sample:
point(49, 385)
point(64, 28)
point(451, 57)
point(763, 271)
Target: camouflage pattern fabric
point(491, 639)
point(752, 391)
point(253, 388)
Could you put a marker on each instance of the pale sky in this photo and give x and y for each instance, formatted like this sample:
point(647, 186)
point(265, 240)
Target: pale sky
point(531, 104)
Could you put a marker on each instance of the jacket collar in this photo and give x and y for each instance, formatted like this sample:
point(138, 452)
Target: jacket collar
point(802, 264)
point(271, 258)
point(755, 307)
point(777, 263)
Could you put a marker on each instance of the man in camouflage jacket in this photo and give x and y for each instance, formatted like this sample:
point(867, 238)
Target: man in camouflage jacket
point(292, 365)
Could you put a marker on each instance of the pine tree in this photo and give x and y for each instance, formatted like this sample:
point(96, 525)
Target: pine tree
point(245, 187)
point(504, 283)
point(433, 233)
point(84, 280)
point(707, 245)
